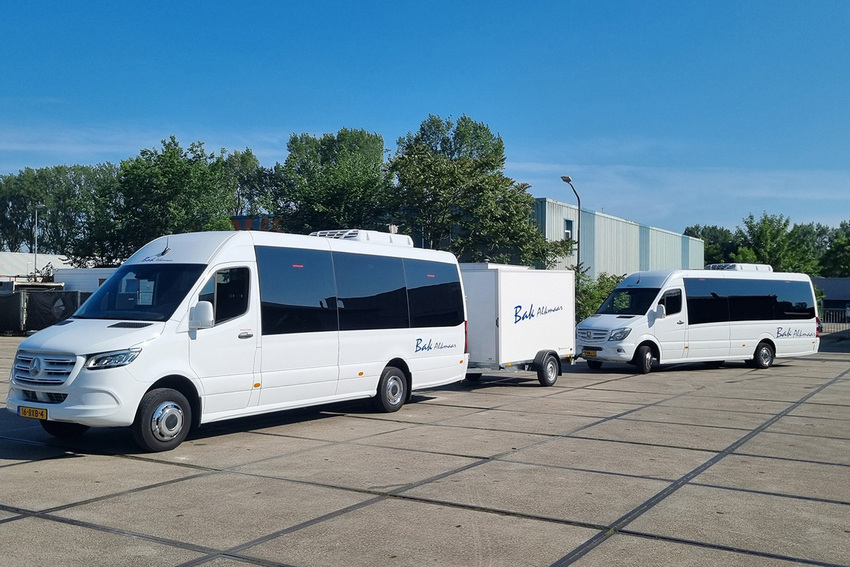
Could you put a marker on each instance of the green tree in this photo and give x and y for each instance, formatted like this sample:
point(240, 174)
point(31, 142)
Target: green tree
point(99, 238)
point(19, 195)
point(769, 240)
point(336, 181)
point(452, 193)
point(719, 242)
point(172, 190)
point(591, 293)
point(246, 182)
point(836, 260)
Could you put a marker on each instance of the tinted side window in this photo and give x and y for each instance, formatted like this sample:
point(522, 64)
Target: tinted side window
point(794, 300)
point(371, 292)
point(672, 301)
point(228, 291)
point(748, 300)
point(433, 290)
point(297, 291)
point(707, 300)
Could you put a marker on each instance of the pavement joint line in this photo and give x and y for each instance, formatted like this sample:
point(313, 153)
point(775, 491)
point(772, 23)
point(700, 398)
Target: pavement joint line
point(772, 493)
point(808, 435)
point(730, 548)
point(115, 531)
point(294, 528)
point(641, 509)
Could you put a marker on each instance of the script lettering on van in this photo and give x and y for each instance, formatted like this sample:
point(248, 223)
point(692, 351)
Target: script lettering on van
point(782, 332)
point(425, 345)
point(521, 314)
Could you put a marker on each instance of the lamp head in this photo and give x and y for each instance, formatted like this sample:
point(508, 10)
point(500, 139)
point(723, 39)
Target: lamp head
point(566, 179)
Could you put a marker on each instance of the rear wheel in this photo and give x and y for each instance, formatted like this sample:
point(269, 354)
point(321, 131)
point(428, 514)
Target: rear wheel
point(162, 421)
point(643, 359)
point(63, 430)
point(392, 390)
point(547, 374)
point(594, 364)
point(473, 376)
point(763, 357)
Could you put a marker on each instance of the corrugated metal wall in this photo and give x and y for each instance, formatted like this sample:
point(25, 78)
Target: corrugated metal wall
point(617, 246)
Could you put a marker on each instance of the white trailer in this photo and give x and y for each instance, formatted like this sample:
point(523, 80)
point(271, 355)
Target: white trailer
point(519, 319)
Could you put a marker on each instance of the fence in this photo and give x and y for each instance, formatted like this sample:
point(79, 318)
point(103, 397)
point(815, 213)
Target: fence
point(835, 320)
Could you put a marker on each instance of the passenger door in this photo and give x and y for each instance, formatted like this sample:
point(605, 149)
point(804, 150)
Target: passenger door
point(672, 330)
point(225, 357)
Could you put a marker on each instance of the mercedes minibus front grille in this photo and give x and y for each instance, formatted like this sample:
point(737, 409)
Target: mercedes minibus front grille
point(39, 369)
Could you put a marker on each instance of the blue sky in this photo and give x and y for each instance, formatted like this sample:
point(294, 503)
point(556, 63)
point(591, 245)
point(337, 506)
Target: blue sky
point(668, 113)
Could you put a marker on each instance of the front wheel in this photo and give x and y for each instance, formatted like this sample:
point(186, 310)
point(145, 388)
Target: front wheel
point(63, 430)
point(547, 374)
point(162, 421)
point(643, 359)
point(594, 364)
point(763, 357)
point(392, 390)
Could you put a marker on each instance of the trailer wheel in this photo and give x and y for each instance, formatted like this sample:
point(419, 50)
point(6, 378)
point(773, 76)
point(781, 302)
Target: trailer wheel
point(392, 390)
point(473, 376)
point(162, 421)
point(547, 373)
point(763, 357)
point(643, 359)
point(594, 364)
point(63, 430)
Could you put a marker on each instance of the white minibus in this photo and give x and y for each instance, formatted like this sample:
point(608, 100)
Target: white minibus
point(201, 327)
point(706, 316)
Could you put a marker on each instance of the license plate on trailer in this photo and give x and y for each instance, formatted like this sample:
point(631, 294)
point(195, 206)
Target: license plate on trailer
point(34, 413)
point(588, 353)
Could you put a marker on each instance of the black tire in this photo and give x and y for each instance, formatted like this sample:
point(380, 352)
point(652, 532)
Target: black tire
point(473, 376)
point(392, 390)
point(643, 359)
point(548, 372)
point(63, 430)
point(763, 357)
point(594, 364)
point(162, 421)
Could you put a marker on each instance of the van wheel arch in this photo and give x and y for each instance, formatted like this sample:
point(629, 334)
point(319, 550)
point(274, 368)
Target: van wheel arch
point(185, 387)
point(408, 377)
point(764, 355)
point(644, 354)
point(548, 367)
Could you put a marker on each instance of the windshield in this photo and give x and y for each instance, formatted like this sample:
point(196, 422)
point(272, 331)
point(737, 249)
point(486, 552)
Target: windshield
point(629, 301)
point(144, 292)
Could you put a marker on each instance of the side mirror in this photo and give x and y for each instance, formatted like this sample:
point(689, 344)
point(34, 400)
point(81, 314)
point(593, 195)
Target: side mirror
point(660, 312)
point(201, 316)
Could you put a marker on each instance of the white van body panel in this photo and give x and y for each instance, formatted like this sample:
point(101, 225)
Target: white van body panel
point(233, 368)
point(676, 338)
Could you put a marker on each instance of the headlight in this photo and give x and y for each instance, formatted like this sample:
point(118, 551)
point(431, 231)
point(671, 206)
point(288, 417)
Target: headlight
point(112, 359)
point(619, 334)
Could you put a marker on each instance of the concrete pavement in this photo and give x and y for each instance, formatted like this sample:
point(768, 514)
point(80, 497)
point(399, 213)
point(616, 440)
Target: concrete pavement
point(687, 465)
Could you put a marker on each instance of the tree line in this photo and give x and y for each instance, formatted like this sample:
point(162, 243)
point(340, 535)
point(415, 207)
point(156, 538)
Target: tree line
point(445, 186)
point(812, 248)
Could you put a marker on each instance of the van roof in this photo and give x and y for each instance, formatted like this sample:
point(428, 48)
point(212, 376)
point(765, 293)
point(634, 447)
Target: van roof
point(658, 278)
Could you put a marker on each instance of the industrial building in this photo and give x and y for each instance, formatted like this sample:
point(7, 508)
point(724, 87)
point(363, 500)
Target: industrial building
point(616, 246)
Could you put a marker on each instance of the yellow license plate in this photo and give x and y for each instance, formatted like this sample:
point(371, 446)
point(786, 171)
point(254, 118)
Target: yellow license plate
point(35, 413)
point(588, 353)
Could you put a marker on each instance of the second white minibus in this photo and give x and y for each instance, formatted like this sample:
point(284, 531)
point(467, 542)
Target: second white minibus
point(702, 316)
point(196, 328)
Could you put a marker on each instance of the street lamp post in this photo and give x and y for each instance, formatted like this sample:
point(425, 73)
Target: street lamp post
point(568, 180)
point(35, 266)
